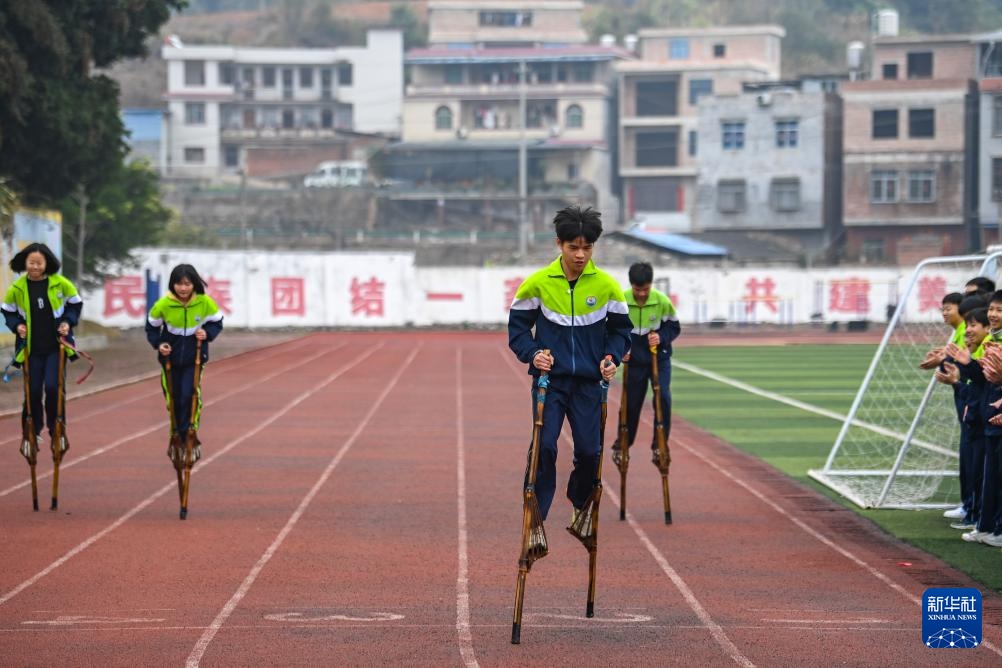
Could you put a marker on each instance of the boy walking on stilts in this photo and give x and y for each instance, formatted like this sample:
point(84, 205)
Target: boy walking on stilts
point(577, 312)
point(655, 324)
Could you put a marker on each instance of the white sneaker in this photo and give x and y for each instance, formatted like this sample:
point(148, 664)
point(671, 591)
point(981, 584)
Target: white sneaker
point(955, 513)
point(974, 536)
point(993, 539)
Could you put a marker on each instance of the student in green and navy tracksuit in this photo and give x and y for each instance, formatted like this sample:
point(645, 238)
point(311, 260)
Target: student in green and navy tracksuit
point(655, 323)
point(576, 311)
point(40, 306)
point(176, 321)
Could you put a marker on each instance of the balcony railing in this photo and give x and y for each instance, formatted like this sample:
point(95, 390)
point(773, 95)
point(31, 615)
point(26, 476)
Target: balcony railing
point(564, 89)
point(271, 132)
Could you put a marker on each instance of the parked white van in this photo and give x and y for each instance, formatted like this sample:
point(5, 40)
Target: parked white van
point(337, 174)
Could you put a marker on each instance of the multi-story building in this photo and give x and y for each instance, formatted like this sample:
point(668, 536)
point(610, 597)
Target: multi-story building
point(274, 112)
point(659, 105)
point(770, 160)
point(496, 76)
point(908, 150)
point(989, 53)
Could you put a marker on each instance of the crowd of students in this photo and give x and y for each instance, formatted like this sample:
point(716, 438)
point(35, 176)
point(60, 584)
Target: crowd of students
point(971, 363)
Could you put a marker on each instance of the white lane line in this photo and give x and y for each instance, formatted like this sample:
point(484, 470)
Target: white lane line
point(690, 598)
point(168, 487)
point(203, 643)
point(810, 530)
point(810, 408)
point(704, 616)
point(163, 423)
point(128, 381)
point(463, 571)
point(369, 624)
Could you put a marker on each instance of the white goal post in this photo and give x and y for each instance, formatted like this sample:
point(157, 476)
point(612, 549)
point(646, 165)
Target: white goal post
point(898, 445)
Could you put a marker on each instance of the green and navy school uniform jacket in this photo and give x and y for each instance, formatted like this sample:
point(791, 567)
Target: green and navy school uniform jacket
point(656, 315)
point(958, 333)
point(175, 323)
point(63, 298)
point(579, 325)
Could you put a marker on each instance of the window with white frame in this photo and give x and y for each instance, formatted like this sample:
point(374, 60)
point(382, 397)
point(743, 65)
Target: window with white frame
point(306, 77)
point(443, 118)
point(921, 186)
point(785, 194)
point(787, 133)
point(731, 196)
point(194, 73)
point(884, 186)
point(678, 48)
point(227, 73)
point(194, 155)
point(733, 134)
point(345, 74)
point(194, 113)
point(574, 116)
point(997, 179)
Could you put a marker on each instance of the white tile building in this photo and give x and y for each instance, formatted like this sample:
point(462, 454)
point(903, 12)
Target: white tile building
point(224, 100)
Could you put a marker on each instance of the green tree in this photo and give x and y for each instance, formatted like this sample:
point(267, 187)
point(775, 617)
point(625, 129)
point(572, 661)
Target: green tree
point(59, 124)
point(403, 18)
point(124, 212)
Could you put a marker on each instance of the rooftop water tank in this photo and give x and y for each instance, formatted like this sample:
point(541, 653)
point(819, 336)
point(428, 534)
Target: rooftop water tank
point(630, 42)
point(854, 55)
point(886, 23)
point(607, 40)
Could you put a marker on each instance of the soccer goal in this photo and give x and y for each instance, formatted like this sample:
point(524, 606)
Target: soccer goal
point(898, 445)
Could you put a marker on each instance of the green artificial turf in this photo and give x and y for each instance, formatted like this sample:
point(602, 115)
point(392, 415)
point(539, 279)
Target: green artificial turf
point(795, 440)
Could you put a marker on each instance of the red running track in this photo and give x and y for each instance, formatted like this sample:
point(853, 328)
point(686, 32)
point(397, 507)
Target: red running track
point(359, 503)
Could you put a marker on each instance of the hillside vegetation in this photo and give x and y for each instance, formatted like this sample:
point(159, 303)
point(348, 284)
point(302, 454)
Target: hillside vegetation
point(817, 31)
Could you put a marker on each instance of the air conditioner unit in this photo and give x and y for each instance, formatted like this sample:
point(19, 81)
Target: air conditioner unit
point(764, 99)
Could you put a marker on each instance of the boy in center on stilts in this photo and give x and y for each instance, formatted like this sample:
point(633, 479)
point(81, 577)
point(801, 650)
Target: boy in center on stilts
point(576, 311)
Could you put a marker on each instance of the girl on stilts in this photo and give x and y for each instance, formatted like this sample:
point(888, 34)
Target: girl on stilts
point(40, 307)
point(177, 321)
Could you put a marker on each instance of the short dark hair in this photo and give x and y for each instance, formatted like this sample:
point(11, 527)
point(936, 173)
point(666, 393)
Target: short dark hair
point(572, 222)
point(183, 271)
point(977, 315)
point(981, 284)
point(953, 298)
point(641, 273)
point(970, 303)
point(996, 298)
point(17, 263)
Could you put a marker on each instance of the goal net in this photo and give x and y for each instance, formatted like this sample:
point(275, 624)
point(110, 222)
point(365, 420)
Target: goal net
point(898, 446)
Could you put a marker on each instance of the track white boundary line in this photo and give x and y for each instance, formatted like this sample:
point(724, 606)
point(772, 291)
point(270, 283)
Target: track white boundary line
point(715, 629)
point(163, 423)
point(166, 488)
point(810, 408)
point(130, 380)
point(203, 643)
point(817, 535)
point(463, 571)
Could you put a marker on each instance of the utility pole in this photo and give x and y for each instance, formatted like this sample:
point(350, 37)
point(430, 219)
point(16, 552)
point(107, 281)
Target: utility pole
point(523, 194)
point(244, 241)
point(82, 200)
